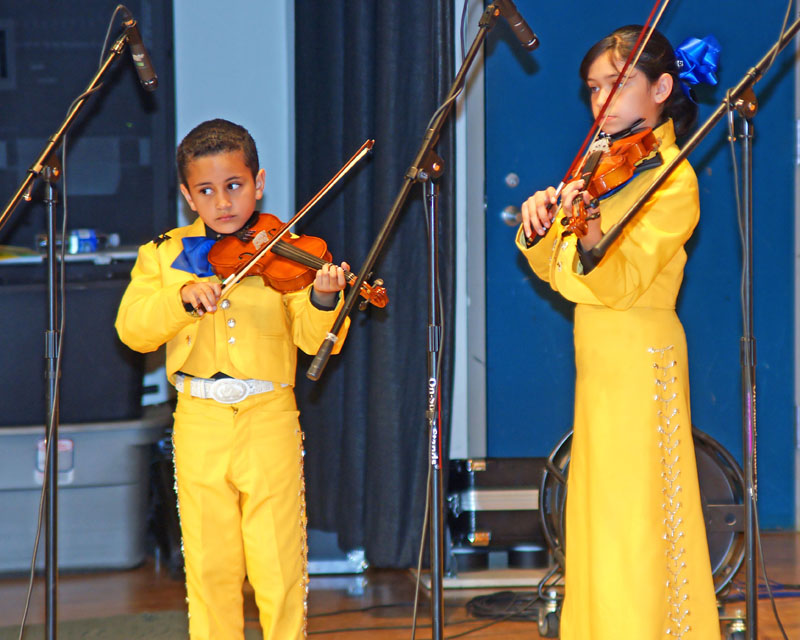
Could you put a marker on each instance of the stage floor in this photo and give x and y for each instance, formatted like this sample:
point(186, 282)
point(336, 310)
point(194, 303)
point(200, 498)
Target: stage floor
point(374, 605)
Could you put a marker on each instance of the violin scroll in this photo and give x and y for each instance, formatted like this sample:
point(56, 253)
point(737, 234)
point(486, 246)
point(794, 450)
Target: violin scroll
point(579, 223)
point(373, 294)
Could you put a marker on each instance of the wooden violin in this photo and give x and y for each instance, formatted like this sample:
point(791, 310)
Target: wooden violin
point(249, 256)
point(289, 265)
point(608, 166)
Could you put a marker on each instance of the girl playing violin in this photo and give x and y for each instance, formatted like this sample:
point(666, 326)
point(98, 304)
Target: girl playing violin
point(637, 556)
point(237, 441)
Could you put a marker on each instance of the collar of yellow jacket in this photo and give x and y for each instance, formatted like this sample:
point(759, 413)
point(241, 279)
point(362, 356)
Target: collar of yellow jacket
point(665, 134)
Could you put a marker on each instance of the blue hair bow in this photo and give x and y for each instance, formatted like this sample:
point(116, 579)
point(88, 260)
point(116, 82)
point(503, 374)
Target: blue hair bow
point(697, 60)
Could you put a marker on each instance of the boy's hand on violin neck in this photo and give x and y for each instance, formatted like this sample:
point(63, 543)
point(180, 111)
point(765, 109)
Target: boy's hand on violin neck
point(203, 296)
point(538, 212)
point(329, 282)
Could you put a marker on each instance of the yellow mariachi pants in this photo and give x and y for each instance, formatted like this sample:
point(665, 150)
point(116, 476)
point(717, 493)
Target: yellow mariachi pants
point(241, 497)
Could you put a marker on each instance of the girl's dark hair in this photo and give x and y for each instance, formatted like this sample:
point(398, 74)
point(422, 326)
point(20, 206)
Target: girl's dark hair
point(216, 136)
point(658, 57)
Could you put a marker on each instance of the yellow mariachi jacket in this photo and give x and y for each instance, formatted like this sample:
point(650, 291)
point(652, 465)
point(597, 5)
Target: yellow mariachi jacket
point(256, 333)
point(644, 266)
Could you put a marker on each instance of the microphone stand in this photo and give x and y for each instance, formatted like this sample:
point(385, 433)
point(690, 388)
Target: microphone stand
point(742, 99)
point(426, 168)
point(46, 164)
point(52, 346)
point(436, 490)
point(747, 108)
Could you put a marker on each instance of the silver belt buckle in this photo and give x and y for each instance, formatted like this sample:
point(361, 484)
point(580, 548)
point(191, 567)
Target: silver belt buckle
point(229, 390)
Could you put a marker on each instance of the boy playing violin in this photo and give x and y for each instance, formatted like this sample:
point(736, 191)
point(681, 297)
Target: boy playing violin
point(237, 441)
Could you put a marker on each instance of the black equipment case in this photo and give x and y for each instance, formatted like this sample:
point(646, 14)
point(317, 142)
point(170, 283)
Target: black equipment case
point(493, 504)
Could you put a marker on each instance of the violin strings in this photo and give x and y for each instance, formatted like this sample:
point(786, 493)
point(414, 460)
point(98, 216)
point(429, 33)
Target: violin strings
point(286, 250)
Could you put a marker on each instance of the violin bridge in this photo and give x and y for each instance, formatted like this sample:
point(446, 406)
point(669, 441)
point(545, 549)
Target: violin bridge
point(262, 238)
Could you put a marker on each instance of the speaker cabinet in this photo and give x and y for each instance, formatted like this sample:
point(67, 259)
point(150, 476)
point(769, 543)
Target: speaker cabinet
point(120, 149)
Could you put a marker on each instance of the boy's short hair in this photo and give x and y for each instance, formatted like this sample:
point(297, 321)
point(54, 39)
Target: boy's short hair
point(216, 136)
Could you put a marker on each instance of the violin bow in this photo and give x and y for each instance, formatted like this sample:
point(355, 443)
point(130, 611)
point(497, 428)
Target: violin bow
point(240, 273)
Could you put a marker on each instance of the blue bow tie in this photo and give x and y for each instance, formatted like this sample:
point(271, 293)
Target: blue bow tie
point(194, 257)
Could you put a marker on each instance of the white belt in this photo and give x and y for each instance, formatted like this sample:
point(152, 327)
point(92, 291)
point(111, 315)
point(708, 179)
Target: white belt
point(224, 390)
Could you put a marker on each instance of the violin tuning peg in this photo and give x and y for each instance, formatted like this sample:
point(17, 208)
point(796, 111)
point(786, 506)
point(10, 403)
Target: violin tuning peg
point(362, 305)
point(378, 282)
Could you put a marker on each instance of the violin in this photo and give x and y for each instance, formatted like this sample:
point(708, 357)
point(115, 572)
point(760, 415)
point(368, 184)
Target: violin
point(610, 164)
point(291, 262)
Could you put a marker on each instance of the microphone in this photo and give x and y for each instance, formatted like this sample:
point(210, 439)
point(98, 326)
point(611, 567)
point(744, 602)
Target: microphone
point(524, 33)
point(147, 76)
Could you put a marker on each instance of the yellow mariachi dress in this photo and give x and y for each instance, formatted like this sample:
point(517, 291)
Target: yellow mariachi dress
point(637, 562)
point(239, 471)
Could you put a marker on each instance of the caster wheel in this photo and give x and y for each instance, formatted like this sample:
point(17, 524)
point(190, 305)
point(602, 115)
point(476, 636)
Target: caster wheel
point(548, 624)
